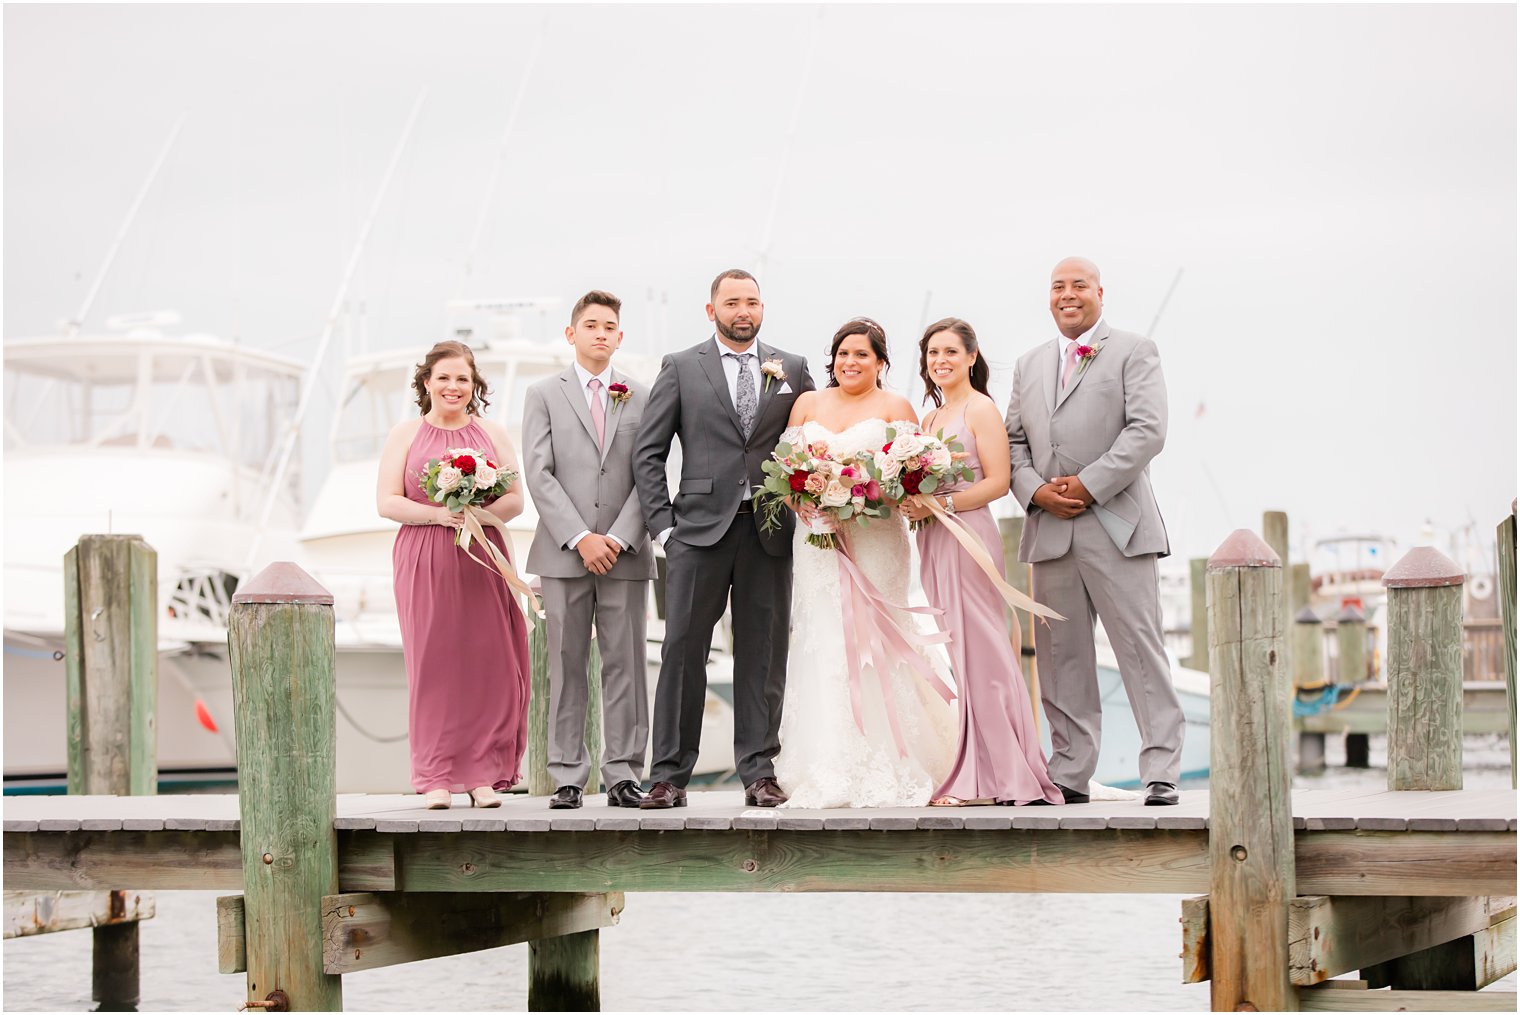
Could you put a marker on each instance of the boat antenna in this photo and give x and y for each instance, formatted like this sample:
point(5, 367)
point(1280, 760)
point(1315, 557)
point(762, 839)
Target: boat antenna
point(786, 149)
point(501, 159)
point(77, 321)
point(1164, 301)
point(309, 378)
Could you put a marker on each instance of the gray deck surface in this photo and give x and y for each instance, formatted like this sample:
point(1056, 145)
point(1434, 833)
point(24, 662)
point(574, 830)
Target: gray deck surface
point(1313, 810)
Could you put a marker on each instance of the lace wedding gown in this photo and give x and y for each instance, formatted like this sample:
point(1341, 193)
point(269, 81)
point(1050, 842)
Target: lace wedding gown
point(825, 759)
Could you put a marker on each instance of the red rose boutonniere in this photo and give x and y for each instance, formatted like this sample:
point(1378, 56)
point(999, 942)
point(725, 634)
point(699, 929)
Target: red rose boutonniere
point(1086, 353)
point(619, 393)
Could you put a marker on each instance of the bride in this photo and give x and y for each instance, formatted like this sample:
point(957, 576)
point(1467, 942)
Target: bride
point(904, 744)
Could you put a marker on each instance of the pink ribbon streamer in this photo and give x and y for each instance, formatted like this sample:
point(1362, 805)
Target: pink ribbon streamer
point(867, 615)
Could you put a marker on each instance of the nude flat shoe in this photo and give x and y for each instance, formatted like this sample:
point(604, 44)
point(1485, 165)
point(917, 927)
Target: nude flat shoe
point(484, 796)
point(438, 799)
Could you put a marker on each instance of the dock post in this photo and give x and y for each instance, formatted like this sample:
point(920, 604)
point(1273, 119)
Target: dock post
point(1251, 864)
point(1274, 532)
point(1424, 671)
point(563, 973)
point(1506, 542)
point(111, 673)
point(280, 644)
point(1351, 671)
point(539, 783)
point(1198, 570)
point(1308, 657)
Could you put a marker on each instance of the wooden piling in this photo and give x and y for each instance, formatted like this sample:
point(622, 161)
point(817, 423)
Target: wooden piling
point(1424, 672)
point(280, 643)
point(1012, 531)
point(1506, 540)
point(1351, 671)
point(1198, 569)
point(1251, 858)
point(111, 678)
point(1308, 660)
point(539, 783)
point(1274, 532)
point(563, 973)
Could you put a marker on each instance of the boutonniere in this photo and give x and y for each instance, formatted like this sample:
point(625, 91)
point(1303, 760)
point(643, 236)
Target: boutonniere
point(773, 371)
point(1087, 353)
point(619, 393)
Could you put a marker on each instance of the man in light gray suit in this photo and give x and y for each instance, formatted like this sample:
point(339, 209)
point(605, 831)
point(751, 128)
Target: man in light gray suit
point(1087, 415)
point(591, 552)
point(727, 399)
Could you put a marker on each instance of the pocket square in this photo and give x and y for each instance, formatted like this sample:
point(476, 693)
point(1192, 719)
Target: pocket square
point(785, 389)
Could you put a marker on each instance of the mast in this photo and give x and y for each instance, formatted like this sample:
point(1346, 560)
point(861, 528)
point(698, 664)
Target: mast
point(77, 321)
point(275, 477)
point(786, 149)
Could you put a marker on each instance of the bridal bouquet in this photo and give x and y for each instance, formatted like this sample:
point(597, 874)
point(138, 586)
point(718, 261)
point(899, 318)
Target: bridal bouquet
point(808, 473)
point(914, 462)
point(463, 478)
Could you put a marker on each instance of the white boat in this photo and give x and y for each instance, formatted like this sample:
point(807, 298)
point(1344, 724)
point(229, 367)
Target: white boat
point(168, 436)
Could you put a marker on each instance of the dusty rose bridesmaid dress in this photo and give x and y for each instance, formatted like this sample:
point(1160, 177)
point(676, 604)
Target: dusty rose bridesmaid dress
point(466, 645)
point(999, 755)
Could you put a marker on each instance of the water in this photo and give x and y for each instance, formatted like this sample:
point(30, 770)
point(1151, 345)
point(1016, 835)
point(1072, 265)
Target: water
point(721, 952)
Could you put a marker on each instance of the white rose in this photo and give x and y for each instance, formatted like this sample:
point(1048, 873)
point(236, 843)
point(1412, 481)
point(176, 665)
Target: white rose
point(908, 446)
point(887, 465)
point(449, 478)
point(836, 494)
point(939, 457)
point(485, 477)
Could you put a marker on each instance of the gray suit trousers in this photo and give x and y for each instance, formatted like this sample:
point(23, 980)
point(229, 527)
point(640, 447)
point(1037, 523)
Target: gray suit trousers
point(617, 607)
point(1094, 580)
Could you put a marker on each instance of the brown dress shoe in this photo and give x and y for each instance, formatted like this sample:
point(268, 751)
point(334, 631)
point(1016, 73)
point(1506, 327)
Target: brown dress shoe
point(763, 793)
point(663, 795)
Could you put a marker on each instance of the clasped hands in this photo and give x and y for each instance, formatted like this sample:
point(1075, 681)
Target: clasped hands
point(598, 553)
point(1063, 496)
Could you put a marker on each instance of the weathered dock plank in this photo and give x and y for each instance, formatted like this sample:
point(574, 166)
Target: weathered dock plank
point(1330, 935)
point(1322, 999)
point(29, 913)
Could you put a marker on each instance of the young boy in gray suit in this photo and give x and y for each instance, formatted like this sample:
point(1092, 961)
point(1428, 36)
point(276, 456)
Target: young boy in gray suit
point(592, 553)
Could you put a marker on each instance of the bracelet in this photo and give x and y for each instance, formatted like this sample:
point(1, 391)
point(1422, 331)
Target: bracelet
point(949, 503)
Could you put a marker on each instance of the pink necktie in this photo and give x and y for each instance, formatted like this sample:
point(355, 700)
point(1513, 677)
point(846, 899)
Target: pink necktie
point(598, 414)
point(1071, 362)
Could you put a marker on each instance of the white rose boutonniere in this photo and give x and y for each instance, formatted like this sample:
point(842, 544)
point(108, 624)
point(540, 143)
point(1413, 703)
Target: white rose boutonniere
point(773, 371)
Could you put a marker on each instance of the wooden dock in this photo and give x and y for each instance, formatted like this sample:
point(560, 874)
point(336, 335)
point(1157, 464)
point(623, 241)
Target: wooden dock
point(1413, 886)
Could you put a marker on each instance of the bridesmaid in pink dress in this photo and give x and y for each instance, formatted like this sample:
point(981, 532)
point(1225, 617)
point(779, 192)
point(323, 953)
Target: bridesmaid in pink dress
point(998, 758)
point(463, 635)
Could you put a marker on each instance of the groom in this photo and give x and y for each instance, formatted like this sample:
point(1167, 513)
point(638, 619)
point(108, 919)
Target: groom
point(1087, 415)
point(727, 399)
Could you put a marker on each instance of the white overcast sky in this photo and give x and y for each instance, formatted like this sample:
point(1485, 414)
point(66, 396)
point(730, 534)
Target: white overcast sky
point(1338, 185)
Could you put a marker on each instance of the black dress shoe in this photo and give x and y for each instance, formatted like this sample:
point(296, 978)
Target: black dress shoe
point(663, 795)
point(625, 794)
point(565, 798)
point(1071, 796)
point(1160, 794)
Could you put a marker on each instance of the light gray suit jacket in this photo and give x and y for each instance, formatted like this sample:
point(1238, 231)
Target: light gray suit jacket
point(1104, 428)
point(577, 486)
point(719, 465)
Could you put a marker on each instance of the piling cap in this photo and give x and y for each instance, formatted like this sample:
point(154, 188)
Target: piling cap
point(283, 582)
point(1350, 615)
point(1424, 567)
point(1307, 616)
point(1243, 548)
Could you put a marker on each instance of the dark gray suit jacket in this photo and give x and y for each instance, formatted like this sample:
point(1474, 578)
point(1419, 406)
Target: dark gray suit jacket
point(719, 467)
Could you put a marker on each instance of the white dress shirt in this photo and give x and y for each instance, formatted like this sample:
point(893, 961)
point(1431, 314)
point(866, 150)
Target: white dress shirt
point(586, 377)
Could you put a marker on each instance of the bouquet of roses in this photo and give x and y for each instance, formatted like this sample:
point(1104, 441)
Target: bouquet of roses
point(463, 478)
point(914, 462)
point(810, 474)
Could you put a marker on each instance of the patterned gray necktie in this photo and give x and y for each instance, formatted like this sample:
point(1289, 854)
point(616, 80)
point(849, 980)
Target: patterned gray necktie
point(744, 400)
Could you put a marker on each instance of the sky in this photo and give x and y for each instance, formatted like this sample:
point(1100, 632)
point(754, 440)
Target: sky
point(1336, 186)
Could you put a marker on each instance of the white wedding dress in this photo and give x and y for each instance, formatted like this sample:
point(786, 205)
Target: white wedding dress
point(825, 759)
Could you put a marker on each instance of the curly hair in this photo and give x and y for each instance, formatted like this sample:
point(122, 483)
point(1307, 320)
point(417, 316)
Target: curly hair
point(875, 334)
point(479, 389)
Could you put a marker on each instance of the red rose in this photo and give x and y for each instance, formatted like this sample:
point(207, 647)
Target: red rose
point(887, 446)
point(490, 464)
point(1085, 351)
point(618, 388)
point(465, 464)
point(798, 480)
point(911, 480)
